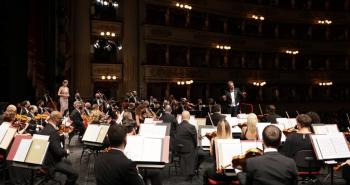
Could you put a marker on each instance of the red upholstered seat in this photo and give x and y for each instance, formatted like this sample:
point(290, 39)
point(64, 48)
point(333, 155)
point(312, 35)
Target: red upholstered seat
point(214, 182)
point(309, 173)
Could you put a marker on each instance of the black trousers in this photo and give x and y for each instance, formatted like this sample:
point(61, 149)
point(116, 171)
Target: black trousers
point(65, 167)
point(154, 175)
point(210, 173)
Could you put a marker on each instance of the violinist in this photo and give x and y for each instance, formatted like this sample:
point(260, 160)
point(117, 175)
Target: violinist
point(271, 167)
point(140, 114)
point(271, 114)
point(299, 140)
point(10, 108)
point(215, 117)
point(249, 132)
point(77, 119)
point(54, 159)
point(9, 117)
point(24, 107)
point(223, 132)
point(40, 104)
point(96, 114)
point(33, 123)
point(315, 118)
point(87, 108)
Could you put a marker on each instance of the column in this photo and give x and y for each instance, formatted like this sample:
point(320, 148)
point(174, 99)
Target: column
point(188, 91)
point(243, 27)
point(277, 33)
point(260, 60)
point(293, 62)
point(207, 91)
point(188, 56)
point(167, 90)
point(167, 17)
point(225, 25)
point(131, 71)
point(277, 61)
point(188, 19)
point(226, 59)
point(167, 55)
point(206, 22)
point(207, 57)
point(81, 48)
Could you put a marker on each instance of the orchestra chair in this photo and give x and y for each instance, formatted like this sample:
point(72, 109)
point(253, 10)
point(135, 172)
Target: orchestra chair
point(175, 158)
point(215, 182)
point(45, 177)
point(90, 150)
point(246, 108)
point(308, 167)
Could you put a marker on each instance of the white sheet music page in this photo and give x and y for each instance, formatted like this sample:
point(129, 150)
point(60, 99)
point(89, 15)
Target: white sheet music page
point(3, 129)
point(134, 148)
point(340, 146)
point(283, 137)
point(91, 133)
point(320, 129)
point(260, 127)
point(332, 128)
point(326, 147)
point(292, 122)
point(22, 150)
point(233, 121)
point(246, 145)
point(152, 149)
point(150, 130)
point(227, 149)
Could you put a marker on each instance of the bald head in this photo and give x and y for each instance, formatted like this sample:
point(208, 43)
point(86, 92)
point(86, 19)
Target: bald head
point(168, 108)
point(55, 117)
point(185, 115)
point(11, 108)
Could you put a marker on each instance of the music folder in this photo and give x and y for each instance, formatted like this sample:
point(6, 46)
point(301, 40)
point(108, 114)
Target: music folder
point(7, 133)
point(330, 146)
point(226, 149)
point(159, 130)
point(147, 149)
point(29, 150)
point(95, 133)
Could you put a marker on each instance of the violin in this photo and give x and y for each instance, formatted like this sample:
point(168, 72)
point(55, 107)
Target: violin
point(209, 135)
point(240, 160)
point(66, 126)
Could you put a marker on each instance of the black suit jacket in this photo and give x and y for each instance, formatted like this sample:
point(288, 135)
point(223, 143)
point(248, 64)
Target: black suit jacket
point(115, 168)
point(238, 96)
point(169, 118)
point(186, 134)
point(55, 151)
point(75, 116)
point(272, 168)
point(215, 117)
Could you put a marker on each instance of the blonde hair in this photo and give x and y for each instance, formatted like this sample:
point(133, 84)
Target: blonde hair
point(223, 130)
point(252, 120)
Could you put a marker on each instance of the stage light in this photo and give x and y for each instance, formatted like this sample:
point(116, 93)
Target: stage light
point(109, 77)
point(114, 77)
point(103, 77)
point(113, 34)
point(115, 5)
point(105, 3)
point(102, 33)
point(182, 83)
point(108, 33)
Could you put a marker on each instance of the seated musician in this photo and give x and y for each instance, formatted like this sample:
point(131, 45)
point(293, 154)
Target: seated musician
point(216, 115)
point(127, 117)
point(272, 167)
point(75, 116)
point(271, 114)
point(87, 108)
point(9, 117)
point(10, 108)
point(223, 132)
point(315, 118)
point(249, 132)
point(25, 107)
point(55, 154)
point(32, 128)
point(96, 114)
point(299, 140)
point(140, 114)
point(186, 135)
point(113, 167)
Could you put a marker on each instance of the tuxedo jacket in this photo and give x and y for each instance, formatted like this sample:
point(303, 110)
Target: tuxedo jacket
point(114, 168)
point(215, 117)
point(238, 96)
point(55, 151)
point(272, 168)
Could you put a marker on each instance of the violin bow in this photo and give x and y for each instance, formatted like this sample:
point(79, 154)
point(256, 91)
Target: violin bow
point(211, 121)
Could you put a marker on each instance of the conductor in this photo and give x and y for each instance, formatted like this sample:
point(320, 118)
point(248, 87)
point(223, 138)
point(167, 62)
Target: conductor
point(233, 96)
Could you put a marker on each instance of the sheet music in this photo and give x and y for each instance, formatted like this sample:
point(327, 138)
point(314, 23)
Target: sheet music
point(148, 120)
point(91, 133)
point(179, 118)
point(332, 128)
point(134, 148)
point(22, 150)
point(201, 121)
point(3, 129)
point(331, 146)
point(6, 141)
point(152, 149)
point(283, 137)
point(319, 129)
point(246, 145)
point(233, 121)
point(260, 127)
point(283, 122)
point(292, 122)
point(205, 141)
point(150, 130)
point(227, 148)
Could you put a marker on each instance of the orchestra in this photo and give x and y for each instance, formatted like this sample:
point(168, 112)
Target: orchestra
point(132, 111)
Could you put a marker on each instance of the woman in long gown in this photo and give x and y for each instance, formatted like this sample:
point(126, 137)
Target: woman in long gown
point(63, 93)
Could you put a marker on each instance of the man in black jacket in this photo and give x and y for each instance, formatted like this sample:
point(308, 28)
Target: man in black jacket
point(77, 120)
point(113, 167)
point(272, 167)
point(167, 117)
point(215, 117)
point(54, 157)
point(186, 135)
point(233, 96)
